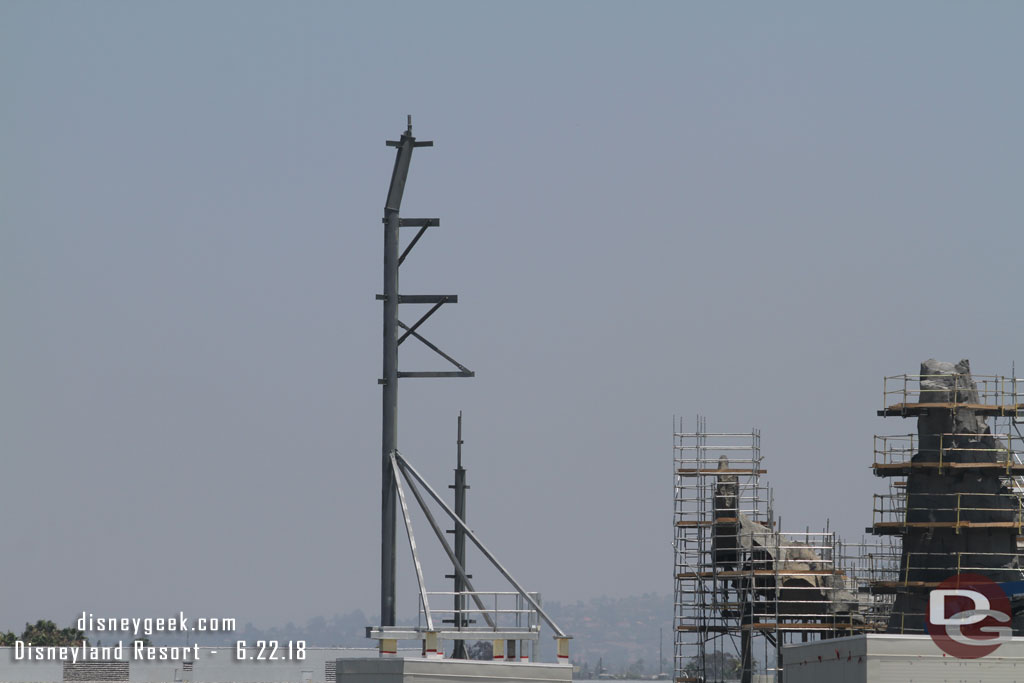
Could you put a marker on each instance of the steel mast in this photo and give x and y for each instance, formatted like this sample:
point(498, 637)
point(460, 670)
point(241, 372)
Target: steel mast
point(391, 298)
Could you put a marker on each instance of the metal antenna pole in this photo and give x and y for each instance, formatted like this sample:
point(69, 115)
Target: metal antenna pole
point(392, 339)
point(460, 546)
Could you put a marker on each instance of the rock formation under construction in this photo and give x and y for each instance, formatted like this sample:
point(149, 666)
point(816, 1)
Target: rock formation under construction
point(958, 510)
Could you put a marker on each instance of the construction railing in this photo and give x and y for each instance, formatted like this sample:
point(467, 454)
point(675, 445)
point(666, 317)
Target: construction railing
point(987, 390)
point(949, 451)
point(892, 512)
point(505, 610)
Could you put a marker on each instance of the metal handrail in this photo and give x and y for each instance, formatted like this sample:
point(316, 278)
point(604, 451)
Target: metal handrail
point(899, 449)
point(994, 390)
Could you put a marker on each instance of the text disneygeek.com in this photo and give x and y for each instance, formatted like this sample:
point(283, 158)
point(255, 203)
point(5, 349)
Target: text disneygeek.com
point(90, 623)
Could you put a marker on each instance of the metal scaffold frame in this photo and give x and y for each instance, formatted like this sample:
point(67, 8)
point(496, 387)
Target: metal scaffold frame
point(869, 563)
point(742, 589)
point(906, 395)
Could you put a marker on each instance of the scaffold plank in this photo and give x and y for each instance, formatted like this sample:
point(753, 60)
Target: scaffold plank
point(890, 469)
point(811, 626)
point(732, 574)
point(783, 626)
point(714, 471)
point(915, 409)
point(706, 522)
point(882, 528)
point(900, 586)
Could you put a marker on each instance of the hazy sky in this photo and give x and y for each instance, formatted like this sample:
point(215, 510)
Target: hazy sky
point(751, 211)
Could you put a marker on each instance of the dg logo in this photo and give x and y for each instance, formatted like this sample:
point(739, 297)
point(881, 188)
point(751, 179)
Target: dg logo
point(969, 616)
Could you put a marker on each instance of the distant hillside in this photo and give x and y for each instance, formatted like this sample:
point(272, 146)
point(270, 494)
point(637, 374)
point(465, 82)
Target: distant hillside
point(621, 632)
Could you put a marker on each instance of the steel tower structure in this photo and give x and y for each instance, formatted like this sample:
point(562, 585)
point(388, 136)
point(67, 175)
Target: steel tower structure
point(391, 298)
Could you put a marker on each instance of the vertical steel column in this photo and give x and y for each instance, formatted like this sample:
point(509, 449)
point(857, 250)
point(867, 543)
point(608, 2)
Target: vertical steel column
point(746, 593)
point(389, 435)
point(391, 341)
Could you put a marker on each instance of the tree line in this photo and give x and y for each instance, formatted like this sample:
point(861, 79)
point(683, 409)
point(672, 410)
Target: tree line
point(44, 632)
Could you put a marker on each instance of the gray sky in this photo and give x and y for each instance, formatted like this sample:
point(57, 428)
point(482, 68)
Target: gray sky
point(648, 209)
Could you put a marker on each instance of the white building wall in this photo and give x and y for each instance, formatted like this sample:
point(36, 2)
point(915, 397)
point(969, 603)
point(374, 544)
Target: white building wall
point(840, 660)
point(212, 665)
point(419, 670)
point(883, 658)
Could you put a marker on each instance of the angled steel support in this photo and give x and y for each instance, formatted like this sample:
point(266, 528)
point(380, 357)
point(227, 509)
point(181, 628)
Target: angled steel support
point(409, 470)
point(463, 370)
point(459, 568)
point(422, 320)
point(412, 546)
point(423, 224)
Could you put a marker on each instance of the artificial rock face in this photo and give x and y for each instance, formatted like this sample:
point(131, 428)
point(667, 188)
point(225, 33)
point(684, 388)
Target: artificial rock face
point(936, 543)
point(948, 383)
point(740, 543)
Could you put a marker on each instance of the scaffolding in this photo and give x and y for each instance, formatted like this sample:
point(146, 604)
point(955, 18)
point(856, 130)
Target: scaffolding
point(953, 503)
point(910, 395)
point(742, 588)
point(869, 563)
